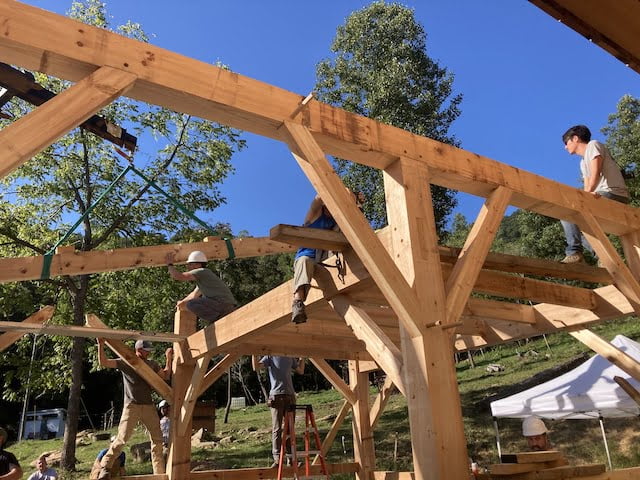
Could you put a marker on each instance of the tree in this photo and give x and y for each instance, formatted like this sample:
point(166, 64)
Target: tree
point(191, 158)
point(623, 140)
point(381, 70)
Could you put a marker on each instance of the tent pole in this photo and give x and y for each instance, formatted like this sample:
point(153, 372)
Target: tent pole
point(606, 445)
point(495, 425)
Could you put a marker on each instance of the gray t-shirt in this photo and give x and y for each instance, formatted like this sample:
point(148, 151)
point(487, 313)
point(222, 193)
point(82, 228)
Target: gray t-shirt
point(279, 369)
point(136, 389)
point(611, 179)
point(211, 286)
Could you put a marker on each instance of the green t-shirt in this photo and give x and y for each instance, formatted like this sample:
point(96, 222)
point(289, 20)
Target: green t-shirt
point(211, 286)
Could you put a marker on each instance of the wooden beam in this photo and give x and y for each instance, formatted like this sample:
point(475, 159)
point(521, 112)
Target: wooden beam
point(473, 254)
point(513, 286)
point(309, 237)
point(333, 431)
point(510, 312)
point(381, 401)
point(334, 379)
point(435, 415)
point(28, 135)
point(179, 457)
point(217, 371)
point(89, 332)
point(608, 351)
point(76, 262)
point(631, 247)
point(382, 349)
point(354, 225)
point(192, 394)
point(628, 388)
point(363, 445)
point(59, 46)
point(38, 318)
point(268, 473)
point(129, 356)
point(622, 276)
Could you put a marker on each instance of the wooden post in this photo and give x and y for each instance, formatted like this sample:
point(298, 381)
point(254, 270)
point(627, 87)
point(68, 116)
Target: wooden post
point(435, 414)
point(179, 459)
point(363, 446)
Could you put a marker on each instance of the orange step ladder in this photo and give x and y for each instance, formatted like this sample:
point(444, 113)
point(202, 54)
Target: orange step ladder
point(289, 437)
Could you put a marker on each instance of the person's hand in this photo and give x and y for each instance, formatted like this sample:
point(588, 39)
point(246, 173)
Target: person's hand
point(595, 194)
point(181, 304)
point(169, 257)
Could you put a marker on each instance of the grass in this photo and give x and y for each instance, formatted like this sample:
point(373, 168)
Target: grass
point(246, 440)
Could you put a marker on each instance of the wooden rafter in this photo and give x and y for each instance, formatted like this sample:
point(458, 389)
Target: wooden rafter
point(30, 134)
point(37, 319)
point(129, 357)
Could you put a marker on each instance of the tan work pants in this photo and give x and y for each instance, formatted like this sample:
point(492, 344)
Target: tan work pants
point(131, 415)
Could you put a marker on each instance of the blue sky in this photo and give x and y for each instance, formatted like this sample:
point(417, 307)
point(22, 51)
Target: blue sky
point(525, 78)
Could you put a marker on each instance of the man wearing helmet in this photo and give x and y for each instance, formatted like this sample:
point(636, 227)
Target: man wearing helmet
point(211, 299)
point(9, 466)
point(536, 434)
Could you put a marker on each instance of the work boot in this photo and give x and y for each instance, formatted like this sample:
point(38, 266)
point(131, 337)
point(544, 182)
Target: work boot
point(577, 257)
point(104, 474)
point(298, 315)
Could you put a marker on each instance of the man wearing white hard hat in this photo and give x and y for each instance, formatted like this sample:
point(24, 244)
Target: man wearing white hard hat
point(211, 299)
point(536, 433)
point(138, 406)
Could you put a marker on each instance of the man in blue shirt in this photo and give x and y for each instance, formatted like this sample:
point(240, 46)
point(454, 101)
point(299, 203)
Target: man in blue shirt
point(281, 395)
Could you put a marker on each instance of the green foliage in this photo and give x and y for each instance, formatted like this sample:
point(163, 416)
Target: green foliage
point(623, 140)
point(381, 70)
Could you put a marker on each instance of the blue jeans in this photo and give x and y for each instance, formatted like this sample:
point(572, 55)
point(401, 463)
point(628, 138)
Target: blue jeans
point(576, 243)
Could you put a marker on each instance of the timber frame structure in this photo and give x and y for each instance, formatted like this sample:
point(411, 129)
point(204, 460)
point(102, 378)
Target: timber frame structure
point(405, 303)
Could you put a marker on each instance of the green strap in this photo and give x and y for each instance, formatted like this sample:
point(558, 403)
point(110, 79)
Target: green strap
point(48, 257)
point(184, 210)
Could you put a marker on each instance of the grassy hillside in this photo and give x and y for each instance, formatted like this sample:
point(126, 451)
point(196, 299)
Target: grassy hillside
point(246, 440)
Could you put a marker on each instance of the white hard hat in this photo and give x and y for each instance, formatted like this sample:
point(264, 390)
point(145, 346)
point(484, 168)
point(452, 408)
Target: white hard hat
point(163, 403)
point(197, 257)
point(532, 426)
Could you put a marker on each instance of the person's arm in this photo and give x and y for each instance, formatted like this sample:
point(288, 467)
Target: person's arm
point(315, 209)
point(595, 167)
point(256, 363)
point(174, 272)
point(195, 293)
point(103, 361)
point(165, 373)
point(14, 474)
point(300, 368)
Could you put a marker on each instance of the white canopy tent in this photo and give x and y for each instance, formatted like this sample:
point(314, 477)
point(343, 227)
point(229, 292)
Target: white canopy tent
point(589, 391)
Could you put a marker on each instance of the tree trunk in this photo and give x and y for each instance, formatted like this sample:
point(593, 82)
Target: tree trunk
point(78, 300)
